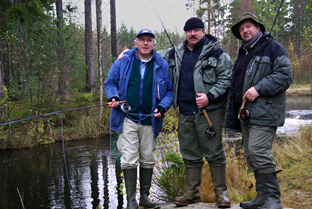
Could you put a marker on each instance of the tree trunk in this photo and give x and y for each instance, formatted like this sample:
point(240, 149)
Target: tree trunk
point(90, 77)
point(99, 45)
point(61, 54)
point(113, 28)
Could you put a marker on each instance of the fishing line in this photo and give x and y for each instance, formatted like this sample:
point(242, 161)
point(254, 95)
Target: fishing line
point(126, 108)
point(276, 15)
point(138, 120)
point(65, 164)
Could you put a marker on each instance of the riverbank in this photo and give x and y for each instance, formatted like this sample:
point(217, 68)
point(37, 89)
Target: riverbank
point(303, 90)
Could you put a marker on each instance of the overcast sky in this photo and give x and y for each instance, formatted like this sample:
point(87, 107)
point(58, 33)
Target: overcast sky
point(141, 14)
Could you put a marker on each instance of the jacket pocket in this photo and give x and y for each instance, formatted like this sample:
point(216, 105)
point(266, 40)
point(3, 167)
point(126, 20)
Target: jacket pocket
point(208, 71)
point(261, 109)
point(116, 117)
point(160, 89)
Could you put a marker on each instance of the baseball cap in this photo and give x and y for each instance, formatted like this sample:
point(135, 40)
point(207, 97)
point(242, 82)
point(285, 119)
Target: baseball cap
point(145, 31)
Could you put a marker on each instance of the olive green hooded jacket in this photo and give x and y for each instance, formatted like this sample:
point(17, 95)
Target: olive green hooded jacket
point(212, 72)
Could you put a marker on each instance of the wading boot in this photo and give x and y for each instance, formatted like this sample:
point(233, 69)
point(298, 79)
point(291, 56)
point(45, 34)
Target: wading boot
point(218, 176)
point(261, 197)
point(273, 193)
point(192, 184)
point(145, 185)
point(130, 176)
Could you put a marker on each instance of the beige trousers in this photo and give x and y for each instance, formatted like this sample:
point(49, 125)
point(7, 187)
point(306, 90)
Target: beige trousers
point(137, 145)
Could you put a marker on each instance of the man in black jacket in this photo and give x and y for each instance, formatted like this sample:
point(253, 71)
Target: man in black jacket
point(260, 77)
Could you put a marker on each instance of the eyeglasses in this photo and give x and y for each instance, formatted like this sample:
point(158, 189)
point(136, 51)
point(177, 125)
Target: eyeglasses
point(196, 30)
point(143, 40)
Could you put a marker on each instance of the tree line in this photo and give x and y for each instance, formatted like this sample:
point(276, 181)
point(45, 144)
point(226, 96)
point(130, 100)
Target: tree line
point(45, 56)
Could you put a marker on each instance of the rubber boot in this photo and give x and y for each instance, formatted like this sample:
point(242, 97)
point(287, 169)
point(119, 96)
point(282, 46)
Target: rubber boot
point(192, 183)
point(145, 185)
point(261, 197)
point(271, 184)
point(218, 176)
point(130, 176)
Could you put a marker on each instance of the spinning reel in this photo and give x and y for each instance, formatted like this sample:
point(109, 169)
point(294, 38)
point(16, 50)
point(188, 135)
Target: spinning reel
point(244, 113)
point(210, 132)
point(125, 107)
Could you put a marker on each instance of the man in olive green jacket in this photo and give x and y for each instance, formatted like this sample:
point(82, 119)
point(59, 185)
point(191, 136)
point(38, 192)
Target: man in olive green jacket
point(201, 73)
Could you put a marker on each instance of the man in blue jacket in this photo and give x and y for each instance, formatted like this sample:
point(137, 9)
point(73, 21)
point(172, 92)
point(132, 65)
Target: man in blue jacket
point(261, 75)
point(142, 79)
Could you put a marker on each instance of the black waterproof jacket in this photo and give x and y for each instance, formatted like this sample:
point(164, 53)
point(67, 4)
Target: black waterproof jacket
point(269, 71)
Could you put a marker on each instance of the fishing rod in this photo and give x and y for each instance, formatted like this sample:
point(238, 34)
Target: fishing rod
point(209, 131)
point(54, 113)
point(244, 113)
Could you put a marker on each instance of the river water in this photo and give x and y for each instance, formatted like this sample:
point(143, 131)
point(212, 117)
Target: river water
point(38, 178)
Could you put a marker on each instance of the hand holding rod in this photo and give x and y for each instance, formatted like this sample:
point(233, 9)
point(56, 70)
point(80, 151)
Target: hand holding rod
point(207, 118)
point(109, 103)
point(243, 105)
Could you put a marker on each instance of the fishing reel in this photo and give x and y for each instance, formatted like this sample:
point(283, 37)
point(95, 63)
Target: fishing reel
point(244, 114)
point(210, 132)
point(125, 107)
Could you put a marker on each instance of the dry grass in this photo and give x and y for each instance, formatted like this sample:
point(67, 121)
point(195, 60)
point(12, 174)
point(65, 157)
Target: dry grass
point(292, 155)
point(240, 180)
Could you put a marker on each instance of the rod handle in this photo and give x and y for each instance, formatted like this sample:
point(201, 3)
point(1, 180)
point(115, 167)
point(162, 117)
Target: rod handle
point(207, 118)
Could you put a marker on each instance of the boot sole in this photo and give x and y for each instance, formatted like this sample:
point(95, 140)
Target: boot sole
point(187, 203)
point(250, 206)
point(224, 205)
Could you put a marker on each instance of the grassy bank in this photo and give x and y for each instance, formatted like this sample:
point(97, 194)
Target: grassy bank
point(76, 124)
point(292, 154)
point(303, 90)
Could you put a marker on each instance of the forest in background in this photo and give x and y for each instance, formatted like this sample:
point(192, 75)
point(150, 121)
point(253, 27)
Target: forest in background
point(48, 62)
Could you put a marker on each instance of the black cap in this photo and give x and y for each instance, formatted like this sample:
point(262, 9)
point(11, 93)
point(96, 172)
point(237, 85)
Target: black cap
point(193, 22)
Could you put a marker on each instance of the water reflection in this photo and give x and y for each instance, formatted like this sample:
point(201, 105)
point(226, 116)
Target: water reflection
point(299, 102)
point(39, 174)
